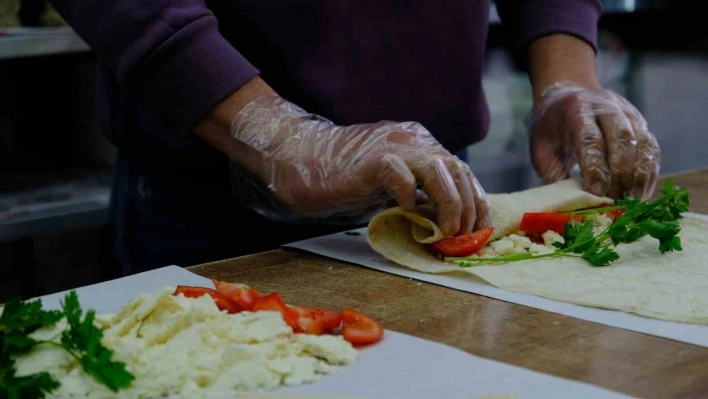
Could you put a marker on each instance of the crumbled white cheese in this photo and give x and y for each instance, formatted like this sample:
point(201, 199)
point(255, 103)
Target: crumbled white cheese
point(520, 241)
point(551, 236)
point(503, 246)
point(601, 222)
point(599, 219)
point(487, 252)
point(188, 348)
point(327, 347)
point(541, 249)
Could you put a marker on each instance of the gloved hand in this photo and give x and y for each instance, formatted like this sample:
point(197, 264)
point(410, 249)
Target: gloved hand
point(297, 167)
point(600, 131)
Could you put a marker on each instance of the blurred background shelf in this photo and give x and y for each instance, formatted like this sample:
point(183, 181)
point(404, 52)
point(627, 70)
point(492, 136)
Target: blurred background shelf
point(620, 6)
point(44, 203)
point(609, 7)
point(39, 41)
point(55, 165)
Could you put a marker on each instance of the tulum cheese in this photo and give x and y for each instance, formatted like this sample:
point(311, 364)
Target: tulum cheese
point(186, 347)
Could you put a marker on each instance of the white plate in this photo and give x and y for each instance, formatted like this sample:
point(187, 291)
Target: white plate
point(400, 366)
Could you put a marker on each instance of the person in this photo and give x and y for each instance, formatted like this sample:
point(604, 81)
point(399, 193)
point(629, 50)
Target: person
point(246, 124)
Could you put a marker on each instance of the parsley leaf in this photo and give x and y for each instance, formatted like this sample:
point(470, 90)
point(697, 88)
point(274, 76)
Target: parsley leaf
point(637, 219)
point(16, 343)
point(83, 340)
point(675, 203)
point(600, 256)
point(578, 237)
point(660, 230)
point(31, 386)
point(623, 230)
point(670, 245)
point(26, 317)
point(19, 319)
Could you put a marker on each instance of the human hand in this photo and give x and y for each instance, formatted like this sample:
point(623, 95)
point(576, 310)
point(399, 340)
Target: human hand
point(301, 167)
point(599, 130)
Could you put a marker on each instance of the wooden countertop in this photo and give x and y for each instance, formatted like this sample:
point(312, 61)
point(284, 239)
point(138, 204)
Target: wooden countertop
point(625, 361)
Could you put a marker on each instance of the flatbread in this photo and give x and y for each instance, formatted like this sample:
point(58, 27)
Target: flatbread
point(401, 236)
point(673, 286)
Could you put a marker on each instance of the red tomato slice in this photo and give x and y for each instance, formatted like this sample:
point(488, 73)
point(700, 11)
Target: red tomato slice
point(605, 205)
point(222, 302)
point(240, 293)
point(610, 214)
point(273, 302)
point(541, 222)
point(316, 320)
point(225, 287)
point(464, 245)
point(359, 329)
point(331, 319)
point(309, 325)
point(615, 213)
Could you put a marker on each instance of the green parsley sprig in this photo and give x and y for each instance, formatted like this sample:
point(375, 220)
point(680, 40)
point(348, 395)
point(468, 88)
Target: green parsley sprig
point(657, 219)
point(82, 340)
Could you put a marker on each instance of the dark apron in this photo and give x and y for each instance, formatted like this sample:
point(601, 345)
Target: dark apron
point(173, 219)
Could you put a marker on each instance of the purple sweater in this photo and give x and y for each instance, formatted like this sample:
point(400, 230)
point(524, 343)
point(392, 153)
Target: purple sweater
point(349, 61)
point(166, 63)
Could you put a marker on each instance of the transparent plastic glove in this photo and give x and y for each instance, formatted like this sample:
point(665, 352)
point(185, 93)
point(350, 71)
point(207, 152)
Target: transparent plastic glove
point(599, 130)
point(297, 167)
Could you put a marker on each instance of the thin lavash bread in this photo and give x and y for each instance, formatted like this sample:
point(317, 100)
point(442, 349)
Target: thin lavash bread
point(671, 286)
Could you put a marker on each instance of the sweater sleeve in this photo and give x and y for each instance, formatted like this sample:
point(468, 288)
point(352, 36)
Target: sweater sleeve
point(529, 20)
point(168, 54)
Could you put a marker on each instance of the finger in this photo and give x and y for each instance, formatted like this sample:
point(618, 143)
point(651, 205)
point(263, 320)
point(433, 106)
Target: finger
point(648, 154)
point(552, 151)
point(461, 175)
point(646, 169)
point(398, 180)
point(621, 148)
point(421, 198)
point(590, 150)
point(442, 191)
point(483, 218)
point(550, 165)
